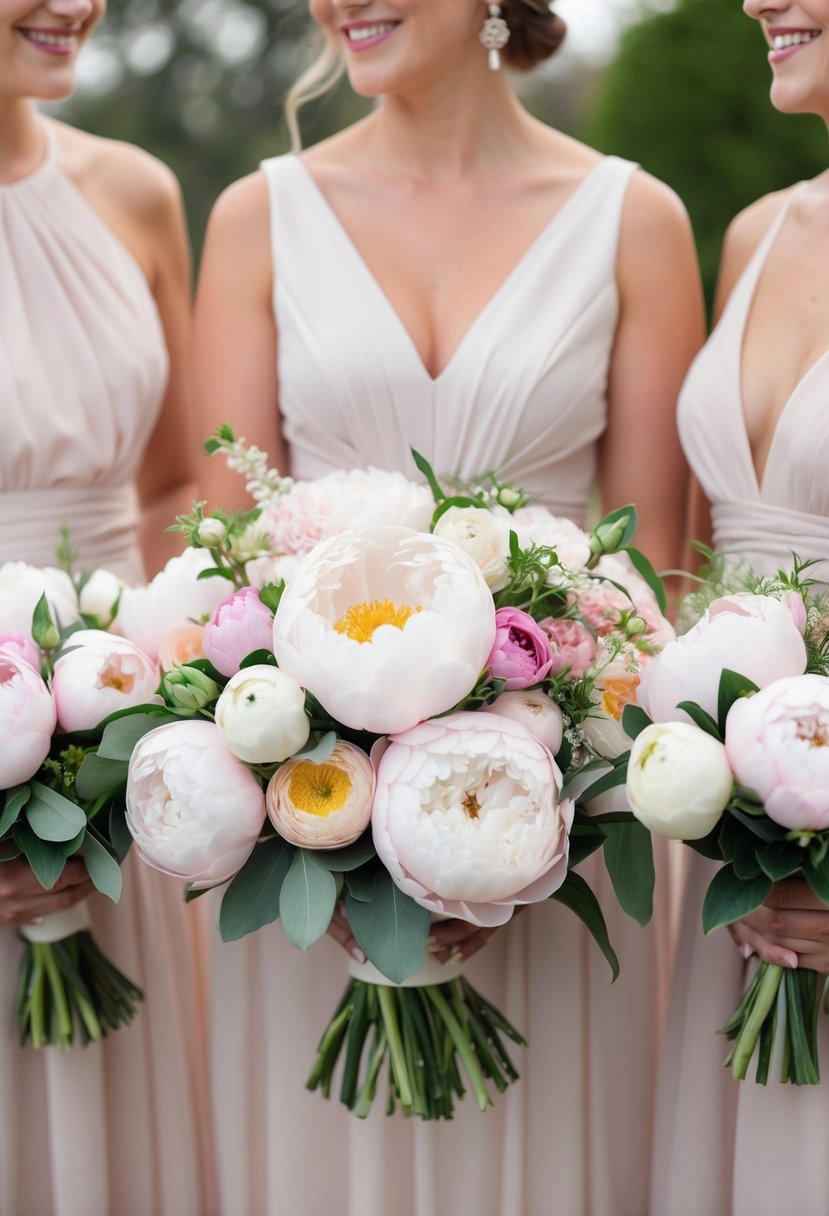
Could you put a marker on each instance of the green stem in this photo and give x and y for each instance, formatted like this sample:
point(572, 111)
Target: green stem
point(62, 1014)
point(462, 1046)
point(386, 997)
point(765, 996)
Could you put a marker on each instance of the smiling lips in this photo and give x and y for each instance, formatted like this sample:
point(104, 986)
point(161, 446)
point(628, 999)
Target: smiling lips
point(361, 36)
point(786, 42)
point(51, 42)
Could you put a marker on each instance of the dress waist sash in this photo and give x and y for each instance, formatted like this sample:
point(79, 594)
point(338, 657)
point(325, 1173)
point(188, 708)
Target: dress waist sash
point(102, 523)
point(767, 535)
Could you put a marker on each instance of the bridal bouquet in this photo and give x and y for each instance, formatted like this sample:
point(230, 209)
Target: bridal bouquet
point(64, 684)
point(731, 756)
point(403, 685)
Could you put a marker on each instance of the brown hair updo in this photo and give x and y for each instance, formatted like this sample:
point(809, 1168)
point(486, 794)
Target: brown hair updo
point(534, 32)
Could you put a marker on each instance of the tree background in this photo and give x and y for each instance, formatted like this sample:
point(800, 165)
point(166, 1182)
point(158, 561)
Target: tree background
point(200, 83)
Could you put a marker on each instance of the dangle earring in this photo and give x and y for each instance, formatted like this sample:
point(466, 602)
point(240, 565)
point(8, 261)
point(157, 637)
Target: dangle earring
point(494, 35)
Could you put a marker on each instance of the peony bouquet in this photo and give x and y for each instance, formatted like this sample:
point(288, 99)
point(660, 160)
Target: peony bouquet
point(66, 684)
point(404, 686)
point(731, 756)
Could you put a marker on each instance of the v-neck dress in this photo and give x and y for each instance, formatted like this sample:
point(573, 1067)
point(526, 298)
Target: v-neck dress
point(526, 393)
point(110, 1129)
point(725, 1148)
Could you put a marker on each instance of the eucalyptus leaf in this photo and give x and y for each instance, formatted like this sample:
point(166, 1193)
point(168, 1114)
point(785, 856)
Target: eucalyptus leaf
point(98, 776)
point(339, 861)
point(306, 900)
point(782, 860)
point(51, 816)
point(46, 859)
point(120, 737)
point(628, 855)
point(103, 868)
point(16, 799)
point(818, 879)
point(391, 929)
point(576, 895)
point(252, 898)
point(118, 832)
point(320, 751)
point(361, 883)
point(729, 898)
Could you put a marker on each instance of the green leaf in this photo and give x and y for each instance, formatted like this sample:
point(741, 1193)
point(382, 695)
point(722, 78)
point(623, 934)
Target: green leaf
point(216, 572)
point(103, 868)
point(361, 883)
point(320, 751)
point(701, 718)
point(16, 799)
point(47, 860)
point(616, 777)
point(51, 816)
point(271, 594)
point(258, 658)
point(307, 899)
point(818, 879)
point(628, 856)
point(576, 895)
point(634, 720)
point(730, 898)
point(120, 737)
point(44, 629)
point(252, 899)
point(98, 776)
point(739, 846)
point(605, 526)
point(422, 463)
point(117, 830)
point(732, 687)
point(781, 860)
point(391, 929)
point(644, 567)
point(585, 839)
point(339, 861)
point(765, 828)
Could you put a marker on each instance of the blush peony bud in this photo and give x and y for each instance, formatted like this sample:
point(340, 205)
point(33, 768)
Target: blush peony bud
point(261, 715)
point(240, 625)
point(323, 806)
point(679, 780)
point(27, 720)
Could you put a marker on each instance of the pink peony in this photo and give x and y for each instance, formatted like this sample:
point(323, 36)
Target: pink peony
point(240, 625)
point(777, 743)
point(573, 645)
point(27, 720)
point(521, 653)
point(21, 645)
point(755, 635)
point(98, 675)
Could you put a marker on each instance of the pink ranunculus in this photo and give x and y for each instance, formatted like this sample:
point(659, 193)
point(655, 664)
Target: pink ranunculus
point(193, 809)
point(467, 817)
point(99, 674)
point(21, 645)
point(754, 635)
point(573, 646)
point(27, 720)
point(777, 743)
point(240, 625)
point(521, 653)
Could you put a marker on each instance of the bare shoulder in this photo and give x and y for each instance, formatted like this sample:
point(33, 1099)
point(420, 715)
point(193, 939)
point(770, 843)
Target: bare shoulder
point(237, 241)
point(744, 234)
point(653, 213)
point(242, 209)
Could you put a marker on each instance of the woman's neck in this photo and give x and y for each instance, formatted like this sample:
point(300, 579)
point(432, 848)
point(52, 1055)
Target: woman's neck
point(22, 139)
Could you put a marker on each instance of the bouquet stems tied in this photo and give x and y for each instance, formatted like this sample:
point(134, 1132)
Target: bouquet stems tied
point(68, 992)
point(430, 1038)
point(780, 1008)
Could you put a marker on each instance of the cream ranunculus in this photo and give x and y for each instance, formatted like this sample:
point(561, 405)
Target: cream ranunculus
point(261, 717)
point(679, 780)
point(325, 805)
point(176, 596)
point(484, 535)
point(193, 809)
point(386, 627)
point(467, 817)
point(99, 674)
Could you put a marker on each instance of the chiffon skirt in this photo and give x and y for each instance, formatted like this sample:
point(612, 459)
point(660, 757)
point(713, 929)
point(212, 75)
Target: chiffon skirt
point(724, 1148)
point(118, 1128)
point(573, 1137)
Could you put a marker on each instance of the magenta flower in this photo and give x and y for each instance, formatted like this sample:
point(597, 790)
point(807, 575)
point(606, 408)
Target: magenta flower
point(240, 625)
point(521, 654)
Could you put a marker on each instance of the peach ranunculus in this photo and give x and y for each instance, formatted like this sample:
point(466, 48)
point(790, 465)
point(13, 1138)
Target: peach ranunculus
point(754, 635)
point(615, 687)
point(181, 645)
point(324, 805)
point(467, 817)
point(386, 627)
point(193, 809)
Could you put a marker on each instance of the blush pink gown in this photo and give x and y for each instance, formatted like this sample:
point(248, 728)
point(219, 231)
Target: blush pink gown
point(725, 1148)
point(526, 393)
point(111, 1129)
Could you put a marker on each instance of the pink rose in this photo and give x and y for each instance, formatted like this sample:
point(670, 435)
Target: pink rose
point(521, 653)
point(27, 720)
point(99, 674)
point(22, 646)
point(573, 646)
point(755, 635)
point(777, 743)
point(240, 625)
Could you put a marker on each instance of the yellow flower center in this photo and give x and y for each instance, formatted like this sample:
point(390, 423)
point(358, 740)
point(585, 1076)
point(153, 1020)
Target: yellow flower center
point(812, 731)
point(617, 694)
point(361, 620)
point(319, 789)
point(111, 676)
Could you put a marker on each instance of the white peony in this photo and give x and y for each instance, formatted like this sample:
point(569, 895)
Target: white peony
point(21, 587)
point(261, 717)
point(176, 596)
point(27, 720)
point(100, 674)
point(679, 780)
point(536, 525)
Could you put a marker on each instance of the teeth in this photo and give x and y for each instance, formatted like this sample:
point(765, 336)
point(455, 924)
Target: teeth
point(364, 32)
point(781, 41)
point(61, 40)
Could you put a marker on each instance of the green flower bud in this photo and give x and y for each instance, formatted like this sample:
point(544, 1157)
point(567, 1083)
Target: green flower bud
point(44, 630)
point(212, 533)
point(608, 537)
point(188, 688)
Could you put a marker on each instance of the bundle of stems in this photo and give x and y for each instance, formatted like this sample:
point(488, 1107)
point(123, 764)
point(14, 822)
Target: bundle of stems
point(779, 1009)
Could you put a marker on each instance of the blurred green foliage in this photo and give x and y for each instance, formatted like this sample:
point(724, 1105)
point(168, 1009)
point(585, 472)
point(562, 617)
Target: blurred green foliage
point(688, 98)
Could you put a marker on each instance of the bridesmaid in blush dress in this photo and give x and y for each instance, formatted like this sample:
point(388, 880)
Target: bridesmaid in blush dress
point(452, 274)
point(93, 333)
point(755, 426)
